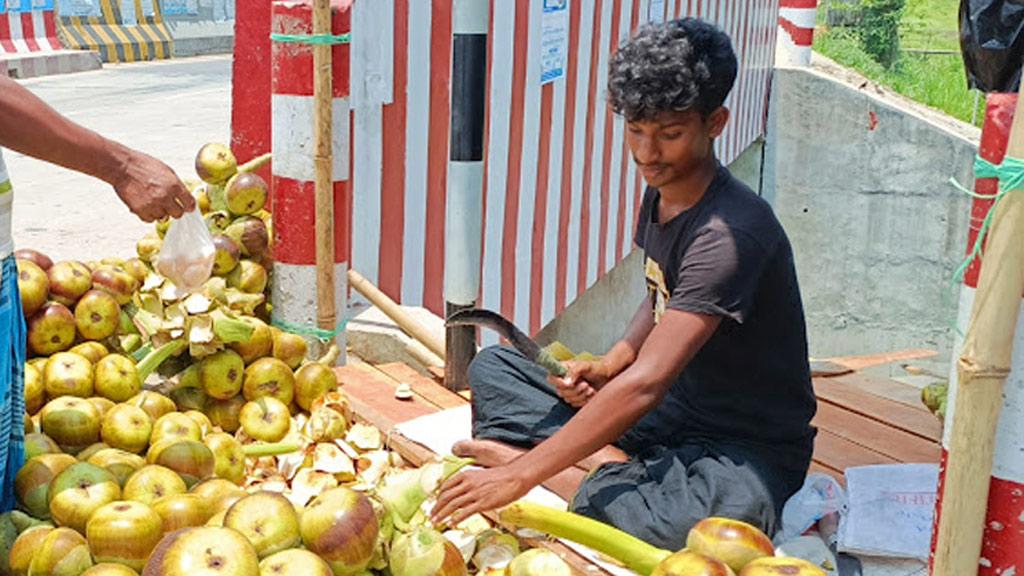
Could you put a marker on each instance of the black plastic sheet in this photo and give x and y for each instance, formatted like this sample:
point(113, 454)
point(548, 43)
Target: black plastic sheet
point(992, 43)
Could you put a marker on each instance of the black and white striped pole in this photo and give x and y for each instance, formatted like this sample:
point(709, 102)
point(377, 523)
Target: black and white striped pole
point(464, 212)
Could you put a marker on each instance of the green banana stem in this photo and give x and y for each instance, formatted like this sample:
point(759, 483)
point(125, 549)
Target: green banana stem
point(261, 449)
point(155, 357)
point(632, 552)
point(255, 164)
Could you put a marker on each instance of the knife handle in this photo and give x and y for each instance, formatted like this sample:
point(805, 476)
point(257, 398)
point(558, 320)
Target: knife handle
point(551, 364)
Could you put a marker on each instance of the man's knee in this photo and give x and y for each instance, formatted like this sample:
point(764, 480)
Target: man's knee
point(488, 366)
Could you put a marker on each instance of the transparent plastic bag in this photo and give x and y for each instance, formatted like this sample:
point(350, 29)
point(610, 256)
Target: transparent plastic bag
point(820, 496)
point(186, 257)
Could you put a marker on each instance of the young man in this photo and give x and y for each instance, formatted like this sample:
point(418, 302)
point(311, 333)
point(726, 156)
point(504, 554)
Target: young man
point(147, 186)
point(704, 407)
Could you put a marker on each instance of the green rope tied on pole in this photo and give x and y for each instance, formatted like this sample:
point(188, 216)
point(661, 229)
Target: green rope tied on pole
point(1011, 177)
point(313, 39)
point(311, 329)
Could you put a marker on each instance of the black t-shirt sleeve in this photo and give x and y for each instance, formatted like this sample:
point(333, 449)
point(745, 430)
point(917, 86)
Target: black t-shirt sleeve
point(718, 274)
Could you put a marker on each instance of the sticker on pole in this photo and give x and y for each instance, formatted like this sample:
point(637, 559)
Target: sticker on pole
point(554, 40)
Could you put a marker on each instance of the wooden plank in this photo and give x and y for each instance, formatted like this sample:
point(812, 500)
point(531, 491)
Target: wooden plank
point(883, 387)
point(917, 421)
point(822, 469)
point(838, 453)
point(869, 360)
point(437, 372)
point(377, 391)
point(424, 387)
point(897, 444)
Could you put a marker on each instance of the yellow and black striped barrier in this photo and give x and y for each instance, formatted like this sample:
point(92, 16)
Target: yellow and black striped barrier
point(141, 36)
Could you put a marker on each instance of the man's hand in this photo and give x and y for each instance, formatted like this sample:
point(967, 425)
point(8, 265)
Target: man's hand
point(582, 380)
point(150, 189)
point(473, 491)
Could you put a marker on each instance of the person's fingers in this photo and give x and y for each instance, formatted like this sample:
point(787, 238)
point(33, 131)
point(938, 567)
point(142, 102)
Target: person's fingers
point(461, 514)
point(447, 501)
point(459, 508)
point(185, 198)
point(171, 206)
point(450, 488)
point(146, 212)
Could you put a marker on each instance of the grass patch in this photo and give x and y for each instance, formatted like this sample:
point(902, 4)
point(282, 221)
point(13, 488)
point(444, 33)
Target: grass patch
point(931, 25)
point(936, 80)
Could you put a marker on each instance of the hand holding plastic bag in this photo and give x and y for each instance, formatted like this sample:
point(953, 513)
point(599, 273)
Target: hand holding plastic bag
point(187, 255)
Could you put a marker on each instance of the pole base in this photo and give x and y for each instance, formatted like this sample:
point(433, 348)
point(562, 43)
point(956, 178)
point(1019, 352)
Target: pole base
point(460, 348)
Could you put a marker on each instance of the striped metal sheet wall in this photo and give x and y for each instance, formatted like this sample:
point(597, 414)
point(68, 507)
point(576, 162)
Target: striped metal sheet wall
point(561, 193)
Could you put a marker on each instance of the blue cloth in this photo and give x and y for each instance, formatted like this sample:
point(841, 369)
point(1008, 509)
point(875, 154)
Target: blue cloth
point(12, 381)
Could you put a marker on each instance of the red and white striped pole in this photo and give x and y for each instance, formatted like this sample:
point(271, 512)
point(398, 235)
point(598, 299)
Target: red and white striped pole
point(796, 31)
point(294, 289)
point(1002, 547)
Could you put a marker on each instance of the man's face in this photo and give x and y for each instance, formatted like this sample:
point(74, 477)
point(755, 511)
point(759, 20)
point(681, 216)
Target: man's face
point(670, 145)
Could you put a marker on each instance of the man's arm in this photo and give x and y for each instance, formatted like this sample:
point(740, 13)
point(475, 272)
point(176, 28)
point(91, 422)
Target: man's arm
point(617, 406)
point(583, 379)
point(147, 186)
point(625, 351)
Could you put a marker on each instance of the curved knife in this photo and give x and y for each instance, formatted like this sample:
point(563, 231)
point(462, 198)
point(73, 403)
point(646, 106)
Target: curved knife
point(520, 341)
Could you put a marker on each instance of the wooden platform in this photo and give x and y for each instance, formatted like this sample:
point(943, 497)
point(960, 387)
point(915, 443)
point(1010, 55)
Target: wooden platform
point(865, 420)
point(861, 420)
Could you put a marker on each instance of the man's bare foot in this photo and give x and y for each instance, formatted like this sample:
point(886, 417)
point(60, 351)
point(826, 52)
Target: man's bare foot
point(487, 453)
point(491, 453)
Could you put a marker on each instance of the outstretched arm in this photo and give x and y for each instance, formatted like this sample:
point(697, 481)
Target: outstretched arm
point(147, 186)
point(617, 406)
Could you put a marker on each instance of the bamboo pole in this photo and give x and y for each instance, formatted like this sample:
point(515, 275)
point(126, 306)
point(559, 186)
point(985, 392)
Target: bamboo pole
point(395, 312)
point(323, 86)
point(982, 370)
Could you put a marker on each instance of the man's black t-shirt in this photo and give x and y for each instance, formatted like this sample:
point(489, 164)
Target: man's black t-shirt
point(729, 256)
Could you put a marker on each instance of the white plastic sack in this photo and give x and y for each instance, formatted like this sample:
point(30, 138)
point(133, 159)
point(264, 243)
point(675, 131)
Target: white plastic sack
point(820, 496)
point(186, 257)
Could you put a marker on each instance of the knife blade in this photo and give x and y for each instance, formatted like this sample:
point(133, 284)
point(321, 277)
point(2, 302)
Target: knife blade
point(507, 330)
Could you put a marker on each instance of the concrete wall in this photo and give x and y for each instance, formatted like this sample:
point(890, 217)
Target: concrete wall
point(598, 318)
point(200, 26)
point(858, 178)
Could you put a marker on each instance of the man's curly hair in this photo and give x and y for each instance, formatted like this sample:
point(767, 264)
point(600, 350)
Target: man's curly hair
point(675, 66)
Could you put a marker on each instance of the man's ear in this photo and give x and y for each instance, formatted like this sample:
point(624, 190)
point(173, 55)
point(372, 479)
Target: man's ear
point(717, 120)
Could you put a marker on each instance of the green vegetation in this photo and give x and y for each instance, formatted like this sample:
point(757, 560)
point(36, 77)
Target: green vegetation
point(927, 67)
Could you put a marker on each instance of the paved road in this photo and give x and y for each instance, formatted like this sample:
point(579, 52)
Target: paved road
point(168, 109)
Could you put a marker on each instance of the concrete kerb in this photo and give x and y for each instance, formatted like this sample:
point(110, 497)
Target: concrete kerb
point(37, 64)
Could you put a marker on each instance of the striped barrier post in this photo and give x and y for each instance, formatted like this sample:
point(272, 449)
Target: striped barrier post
point(1002, 546)
point(294, 281)
point(464, 218)
point(120, 30)
point(796, 31)
point(28, 28)
point(250, 94)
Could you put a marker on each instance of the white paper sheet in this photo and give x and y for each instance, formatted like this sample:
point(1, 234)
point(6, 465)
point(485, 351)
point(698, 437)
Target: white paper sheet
point(890, 510)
